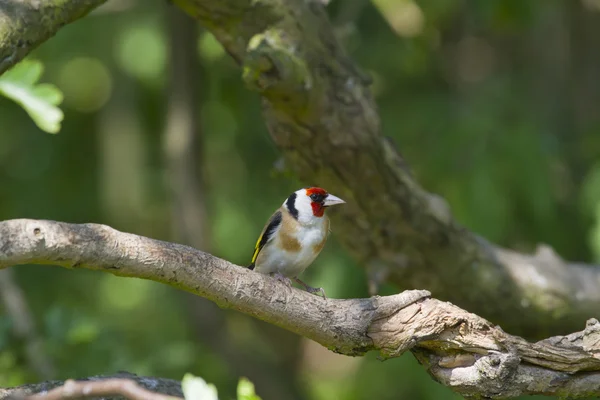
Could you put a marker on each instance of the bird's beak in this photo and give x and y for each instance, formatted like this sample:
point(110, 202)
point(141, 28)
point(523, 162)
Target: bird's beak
point(332, 200)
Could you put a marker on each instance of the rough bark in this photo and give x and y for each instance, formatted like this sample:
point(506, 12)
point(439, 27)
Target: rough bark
point(25, 24)
point(461, 350)
point(321, 115)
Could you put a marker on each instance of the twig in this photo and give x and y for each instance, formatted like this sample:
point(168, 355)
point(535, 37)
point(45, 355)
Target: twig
point(164, 386)
point(111, 387)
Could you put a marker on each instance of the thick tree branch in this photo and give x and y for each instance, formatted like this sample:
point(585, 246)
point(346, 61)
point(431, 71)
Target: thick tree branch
point(321, 115)
point(459, 349)
point(24, 24)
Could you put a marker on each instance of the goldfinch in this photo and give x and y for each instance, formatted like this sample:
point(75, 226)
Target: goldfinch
point(294, 236)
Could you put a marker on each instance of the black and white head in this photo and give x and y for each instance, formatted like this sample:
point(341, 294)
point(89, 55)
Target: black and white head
point(308, 205)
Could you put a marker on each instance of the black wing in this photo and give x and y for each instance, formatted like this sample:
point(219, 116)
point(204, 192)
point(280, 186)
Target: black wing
point(266, 234)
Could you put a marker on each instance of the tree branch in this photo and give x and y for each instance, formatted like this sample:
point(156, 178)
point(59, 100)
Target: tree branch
point(123, 384)
point(110, 387)
point(25, 24)
point(459, 349)
point(321, 115)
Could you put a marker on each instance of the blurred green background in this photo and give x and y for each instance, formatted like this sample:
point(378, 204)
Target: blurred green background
point(494, 104)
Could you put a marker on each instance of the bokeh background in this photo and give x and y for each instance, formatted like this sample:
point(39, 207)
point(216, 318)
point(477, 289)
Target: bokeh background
point(495, 105)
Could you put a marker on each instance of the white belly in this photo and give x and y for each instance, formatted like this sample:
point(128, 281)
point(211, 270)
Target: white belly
point(292, 263)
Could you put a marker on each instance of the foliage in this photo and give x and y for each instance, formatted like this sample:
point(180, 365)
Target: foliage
point(20, 84)
point(246, 391)
point(196, 388)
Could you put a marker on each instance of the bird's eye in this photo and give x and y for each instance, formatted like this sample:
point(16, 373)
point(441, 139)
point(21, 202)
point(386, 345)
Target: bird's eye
point(316, 197)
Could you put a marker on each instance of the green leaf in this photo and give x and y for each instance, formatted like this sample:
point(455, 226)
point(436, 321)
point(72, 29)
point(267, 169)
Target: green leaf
point(40, 101)
point(245, 390)
point(196, 388)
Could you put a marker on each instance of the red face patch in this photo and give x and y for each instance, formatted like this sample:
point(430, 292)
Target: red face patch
point(318, 209)
point(317, 195)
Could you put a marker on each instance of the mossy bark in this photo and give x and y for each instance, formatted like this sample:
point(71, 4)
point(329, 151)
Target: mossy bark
point(25, 24)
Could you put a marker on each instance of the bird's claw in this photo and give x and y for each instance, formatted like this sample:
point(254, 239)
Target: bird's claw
point(311, 289)
point(283, 279)
point(316, 290)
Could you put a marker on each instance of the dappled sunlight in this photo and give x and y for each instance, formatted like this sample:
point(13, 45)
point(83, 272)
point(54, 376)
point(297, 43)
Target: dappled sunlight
point(86, 83)
point(141, 51)
point(405, 16)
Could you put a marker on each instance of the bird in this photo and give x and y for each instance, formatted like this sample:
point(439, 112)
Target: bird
point(294, 236)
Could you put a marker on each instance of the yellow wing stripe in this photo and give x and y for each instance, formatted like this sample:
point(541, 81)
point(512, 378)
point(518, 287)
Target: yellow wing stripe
point(257, 248)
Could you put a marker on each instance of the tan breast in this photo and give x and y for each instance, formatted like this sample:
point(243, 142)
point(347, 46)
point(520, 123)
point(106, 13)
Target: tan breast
point(289, 226)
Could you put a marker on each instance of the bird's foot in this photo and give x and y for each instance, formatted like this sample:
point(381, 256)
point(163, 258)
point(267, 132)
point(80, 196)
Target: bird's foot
point(311, 289)
point(283, 279)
